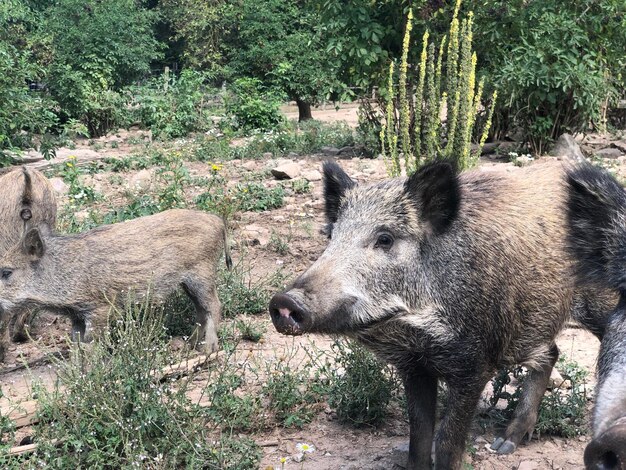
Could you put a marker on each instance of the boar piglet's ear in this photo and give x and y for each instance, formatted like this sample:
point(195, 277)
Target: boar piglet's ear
point(33, 244)
point(336, 182)
point(435, 190)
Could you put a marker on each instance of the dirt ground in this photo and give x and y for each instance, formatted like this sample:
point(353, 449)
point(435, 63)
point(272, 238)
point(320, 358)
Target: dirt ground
point(299, 221)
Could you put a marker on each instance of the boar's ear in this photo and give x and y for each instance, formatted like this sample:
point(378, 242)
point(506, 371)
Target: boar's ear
point(33, 244)
point(336, 182)
point(434, 188)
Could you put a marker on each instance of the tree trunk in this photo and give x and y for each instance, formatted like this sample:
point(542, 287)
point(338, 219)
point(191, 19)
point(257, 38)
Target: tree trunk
point(304, 110)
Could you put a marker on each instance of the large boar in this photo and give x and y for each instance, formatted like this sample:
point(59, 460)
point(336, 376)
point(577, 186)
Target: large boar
point(80, 275)
point(26, 200)
point(447, 277)
point(597, 216)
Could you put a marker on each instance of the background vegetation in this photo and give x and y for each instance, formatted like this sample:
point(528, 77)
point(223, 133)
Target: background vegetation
point(557, 65)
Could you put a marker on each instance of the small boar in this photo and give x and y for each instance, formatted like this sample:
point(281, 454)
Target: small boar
point(597, 219)
point(446, 277)
point(26, 200)
point(80, 275)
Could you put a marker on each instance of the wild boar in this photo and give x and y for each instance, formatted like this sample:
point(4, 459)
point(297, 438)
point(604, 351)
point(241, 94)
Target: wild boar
point(26, 199)
point(450, 277)
point(597, 219)
point(81, 275)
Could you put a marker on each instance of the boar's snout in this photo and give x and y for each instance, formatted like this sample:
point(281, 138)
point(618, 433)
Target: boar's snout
point(288, 316)
point(608, 450)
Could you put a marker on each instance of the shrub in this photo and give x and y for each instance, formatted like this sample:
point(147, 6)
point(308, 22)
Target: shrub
point(172, 106)
point(556, 64)
point(251, 107)
point(293, 395)
point(110, 410)
point(238, 293)
point(23, 113)
point(360, 386)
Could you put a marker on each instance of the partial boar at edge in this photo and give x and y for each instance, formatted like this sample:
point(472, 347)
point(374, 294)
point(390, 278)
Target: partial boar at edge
point(447, 277)
point(26, 200)
point(79, 275)
point(597, 240)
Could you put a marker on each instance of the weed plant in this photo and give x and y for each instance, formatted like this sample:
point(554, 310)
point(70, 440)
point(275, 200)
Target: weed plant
point(109, 408)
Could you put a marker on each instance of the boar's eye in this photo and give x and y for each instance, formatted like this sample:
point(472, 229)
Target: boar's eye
point(5, 273)
point(384, 241)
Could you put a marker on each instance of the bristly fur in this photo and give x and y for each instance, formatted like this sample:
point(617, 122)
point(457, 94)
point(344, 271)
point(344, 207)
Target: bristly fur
point(596, 212)
point(27, 196)
point(435, 190)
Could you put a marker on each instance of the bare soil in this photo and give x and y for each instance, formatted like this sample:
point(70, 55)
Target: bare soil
point(299, 221)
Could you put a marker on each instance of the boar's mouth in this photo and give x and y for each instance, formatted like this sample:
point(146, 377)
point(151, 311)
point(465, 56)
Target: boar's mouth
point(292, 317)
point(608, 450)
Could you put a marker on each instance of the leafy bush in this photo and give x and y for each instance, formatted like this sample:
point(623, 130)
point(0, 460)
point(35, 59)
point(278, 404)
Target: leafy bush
point(23, 113)
point(97, 48)
point(360, 386)
point(238, 293)
point(294, 396)
point(556, 64)
point(172, 106)
point(251, 107)
point(111, 410)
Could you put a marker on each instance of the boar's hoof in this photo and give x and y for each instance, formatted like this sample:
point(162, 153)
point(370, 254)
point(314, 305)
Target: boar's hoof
point(288, 317)
point(608, 450)
point(503, 446)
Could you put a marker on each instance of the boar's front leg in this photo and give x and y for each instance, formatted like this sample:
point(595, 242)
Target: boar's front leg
point(527, 409)
point(463, 396)
point(421, 395)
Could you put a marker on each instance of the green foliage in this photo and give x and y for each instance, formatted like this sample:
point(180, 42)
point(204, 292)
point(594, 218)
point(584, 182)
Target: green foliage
point(239, 293)
point(419, 115)
point(23, 113)
point(80, 192)
point(561, 413)
point(198, 31)
point(233, 410)
point(280, 42)
point(360, 386)
point(109, 408)
point(252, 107)
point(96, 48)
point(172, 106)
point(555, 64)
point(250, 330)
point(293, 395)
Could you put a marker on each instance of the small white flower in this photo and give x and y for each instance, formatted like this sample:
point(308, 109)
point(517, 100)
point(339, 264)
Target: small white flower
point(305, 448)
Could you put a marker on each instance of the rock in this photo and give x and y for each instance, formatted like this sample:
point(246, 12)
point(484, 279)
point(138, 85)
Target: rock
point(557, 381)
point(249, 165)
point(298, 457)
point(287, 171)
point(566, 145)
point(256, 235)
point(527, 465)
point(141, 180)
point(313, 175)
point(292, 155)
point(609, 152)
point(59, 186)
